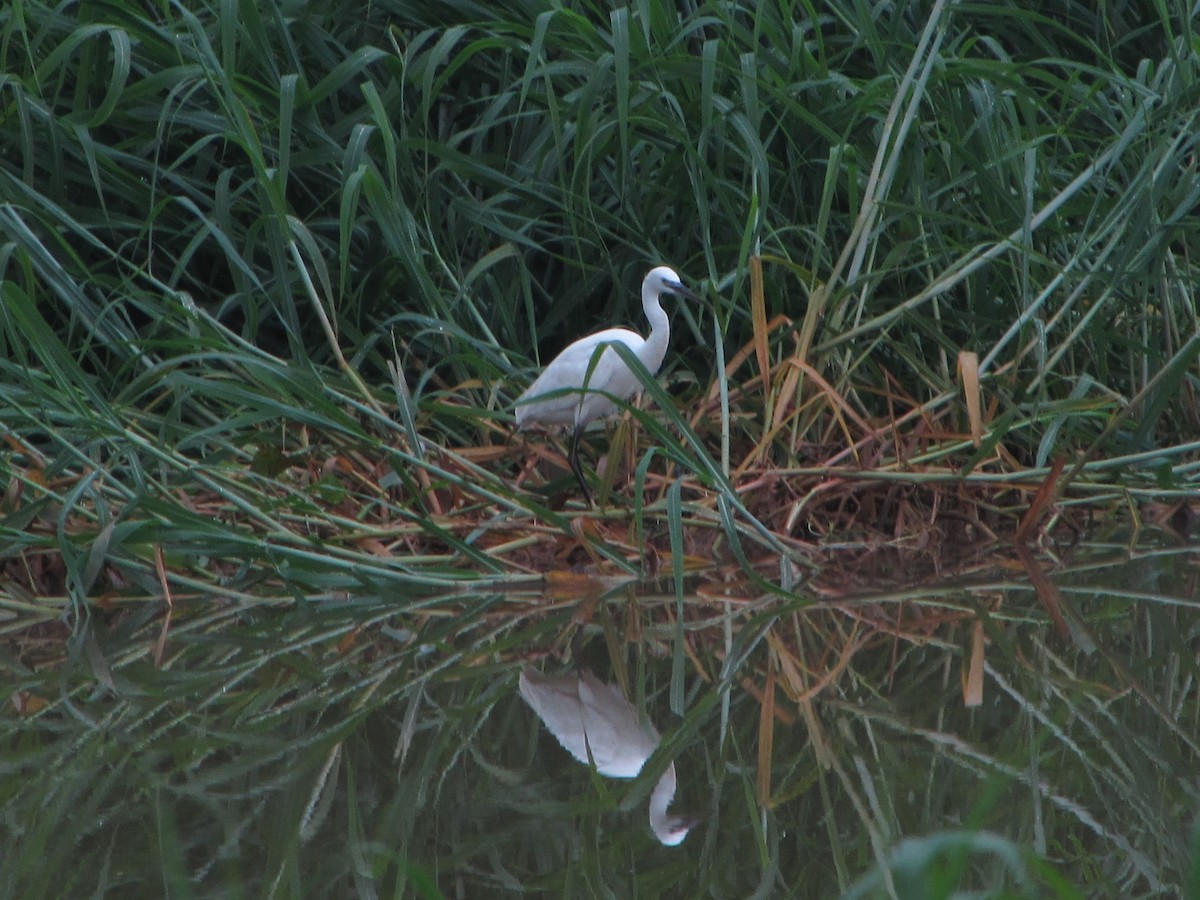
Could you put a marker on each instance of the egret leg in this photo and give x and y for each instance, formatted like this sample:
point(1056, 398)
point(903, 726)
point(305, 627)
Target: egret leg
point(573, 459)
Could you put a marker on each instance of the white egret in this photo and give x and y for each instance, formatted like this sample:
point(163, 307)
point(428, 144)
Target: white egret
point(585, 714)
point(577, 388)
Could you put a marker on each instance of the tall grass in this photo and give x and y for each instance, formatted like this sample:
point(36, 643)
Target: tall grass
point(221, 223)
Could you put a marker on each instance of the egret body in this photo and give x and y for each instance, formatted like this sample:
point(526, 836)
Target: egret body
point(584, 381)
point(588, 716)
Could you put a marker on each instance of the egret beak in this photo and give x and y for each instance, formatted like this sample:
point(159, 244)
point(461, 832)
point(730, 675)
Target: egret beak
point(678, 288)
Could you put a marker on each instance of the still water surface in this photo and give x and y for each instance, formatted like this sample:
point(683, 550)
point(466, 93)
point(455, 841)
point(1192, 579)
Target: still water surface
point(1012, 724)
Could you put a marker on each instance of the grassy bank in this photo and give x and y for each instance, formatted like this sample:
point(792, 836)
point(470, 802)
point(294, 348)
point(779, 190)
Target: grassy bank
point(272, 277)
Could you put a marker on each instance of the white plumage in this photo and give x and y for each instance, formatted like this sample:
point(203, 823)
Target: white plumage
point(577, 387)
point(585, 714)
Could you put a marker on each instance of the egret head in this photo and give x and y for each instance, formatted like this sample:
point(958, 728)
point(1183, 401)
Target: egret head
point(672, 832)
point(670, 829)
point(663, 280)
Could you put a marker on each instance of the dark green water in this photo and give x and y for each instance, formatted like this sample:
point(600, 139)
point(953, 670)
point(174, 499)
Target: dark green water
point(378, 747)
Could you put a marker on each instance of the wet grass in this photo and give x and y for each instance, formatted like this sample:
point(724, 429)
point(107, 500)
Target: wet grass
point(271, 277)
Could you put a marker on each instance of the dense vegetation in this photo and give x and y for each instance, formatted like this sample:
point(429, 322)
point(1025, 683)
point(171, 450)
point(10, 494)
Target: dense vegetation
point(271, 275)
point(246, 250)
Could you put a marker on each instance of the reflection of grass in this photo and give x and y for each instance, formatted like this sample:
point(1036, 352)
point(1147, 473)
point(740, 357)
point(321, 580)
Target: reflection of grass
point(269, 279)
point(934, 867)
point(360, 746)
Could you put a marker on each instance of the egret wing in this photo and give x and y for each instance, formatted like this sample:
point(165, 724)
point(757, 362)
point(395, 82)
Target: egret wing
point(570, 371)
point(555, 699)
point(585, 714)
point(613, 726)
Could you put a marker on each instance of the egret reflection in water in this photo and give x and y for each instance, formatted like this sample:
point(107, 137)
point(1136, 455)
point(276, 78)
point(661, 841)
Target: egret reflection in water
point(585, 714)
